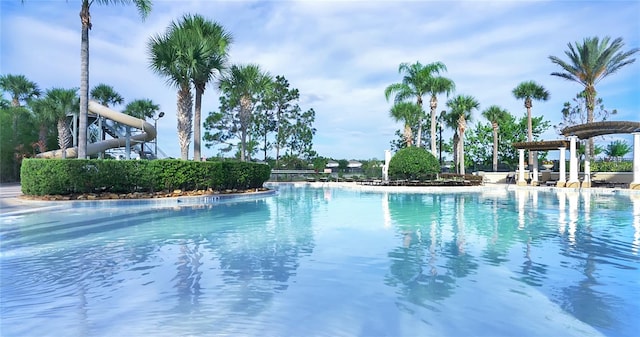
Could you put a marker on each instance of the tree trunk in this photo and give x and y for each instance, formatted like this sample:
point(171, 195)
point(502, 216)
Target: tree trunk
point(85, 19)
point(434, 106)
point(197, 156)
point(456, 151)
point(184, 115)
point(529, 131)
point(495, 147)
point(591, 102)
point(419, 136)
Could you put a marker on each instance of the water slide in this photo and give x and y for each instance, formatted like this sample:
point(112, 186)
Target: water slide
point(148, 133)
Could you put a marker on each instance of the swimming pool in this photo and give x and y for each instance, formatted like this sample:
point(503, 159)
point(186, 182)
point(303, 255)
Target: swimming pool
point(328, 262)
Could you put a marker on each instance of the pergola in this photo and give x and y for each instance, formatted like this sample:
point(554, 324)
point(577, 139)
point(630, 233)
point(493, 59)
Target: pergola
point(582, 131)
point(541, 146)
point(589, 130)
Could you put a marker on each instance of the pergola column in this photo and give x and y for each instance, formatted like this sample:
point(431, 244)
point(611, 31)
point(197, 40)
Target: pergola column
point(534, 177)
point(562, 174)
point(635, 184)
point(521, 180)
point(573, 164)
point(586, 182)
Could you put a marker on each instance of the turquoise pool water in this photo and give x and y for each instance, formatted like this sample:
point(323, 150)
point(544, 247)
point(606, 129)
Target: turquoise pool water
point(328, 262)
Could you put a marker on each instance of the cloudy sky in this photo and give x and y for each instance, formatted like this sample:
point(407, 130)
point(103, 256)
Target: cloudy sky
point(339, 54)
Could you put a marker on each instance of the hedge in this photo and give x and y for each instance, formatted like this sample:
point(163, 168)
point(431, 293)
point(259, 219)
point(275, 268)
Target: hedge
point(65, 176)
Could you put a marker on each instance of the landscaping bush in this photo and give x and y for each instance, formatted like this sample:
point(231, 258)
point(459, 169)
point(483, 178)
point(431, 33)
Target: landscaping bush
point(413, 163)
point(64, 176)
point(611, 166)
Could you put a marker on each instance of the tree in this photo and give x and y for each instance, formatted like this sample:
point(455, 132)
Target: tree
point(575, 113)
point(616, 150)
point(495, 115)
point(437, 85)
point(530, 90)
point(417, 82)
point(241, 89)
point(511, 130)
point(106, 95)
point(170, 57)
point(22, 91)
point(60, 103)
point(209, 53)
point(141, 108)
point(409, 114)
point(589, 63)
point(144, 7)
point(461, 107)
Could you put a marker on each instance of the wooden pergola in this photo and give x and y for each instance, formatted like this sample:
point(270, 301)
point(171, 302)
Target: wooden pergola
point(589, 130)
point(545, 145)
point(582, 131)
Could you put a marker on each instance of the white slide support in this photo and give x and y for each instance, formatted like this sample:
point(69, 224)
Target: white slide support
point(148, 133)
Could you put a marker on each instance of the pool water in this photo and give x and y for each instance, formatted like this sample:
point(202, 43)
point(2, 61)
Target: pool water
point(328, 262)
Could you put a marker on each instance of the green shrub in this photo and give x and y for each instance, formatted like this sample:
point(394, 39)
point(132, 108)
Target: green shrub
point(611, 166)
point(413, 163)
point(62, 176)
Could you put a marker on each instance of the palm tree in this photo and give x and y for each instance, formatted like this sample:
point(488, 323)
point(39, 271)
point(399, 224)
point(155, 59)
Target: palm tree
point(60, 103)
point(495, 115)
point(41, 112)
point(143, 109)
point(106, 95)
point(437, 85)
point(589, 63)
point(417, 82)
point(530, 90)
point(245, 82)
point(617, 149)
point(409, 113)
point(21, 90)
point(170, 56)
point(144, 7)
point(208, 63)
point(461, 107)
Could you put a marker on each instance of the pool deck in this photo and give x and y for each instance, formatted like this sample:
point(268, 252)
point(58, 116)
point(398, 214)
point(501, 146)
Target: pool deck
point(11, 203)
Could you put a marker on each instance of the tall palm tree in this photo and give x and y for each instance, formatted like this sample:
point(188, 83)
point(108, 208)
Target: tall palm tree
point(245, 82)
point(170, 56)
point(207, 64)
point(60, 103)
point(437, 85)
point(495, 115)
point(144, 7)
point(590, 62)
point(415, 83)
point(461, 107)
point(409, 113)
point(530, 90)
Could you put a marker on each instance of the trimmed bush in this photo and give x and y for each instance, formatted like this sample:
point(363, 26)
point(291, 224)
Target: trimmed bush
point(64, 176)
point(413, 163)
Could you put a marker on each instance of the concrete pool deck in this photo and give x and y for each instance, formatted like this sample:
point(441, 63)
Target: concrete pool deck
point(11, 202)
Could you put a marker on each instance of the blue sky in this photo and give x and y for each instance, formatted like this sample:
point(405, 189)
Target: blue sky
point(339, 54)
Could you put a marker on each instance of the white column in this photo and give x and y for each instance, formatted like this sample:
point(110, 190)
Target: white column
point(573, 164)
point(521, 180)
point(586, 182)
point(562, 174)
point(534, 178)
point(385, 168)
point(635, 184)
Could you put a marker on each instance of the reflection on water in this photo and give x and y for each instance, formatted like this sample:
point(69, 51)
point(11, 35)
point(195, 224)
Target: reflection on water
point(322, 261)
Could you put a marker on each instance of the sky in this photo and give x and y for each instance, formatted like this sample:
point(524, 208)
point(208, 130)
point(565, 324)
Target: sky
point(340, 54)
